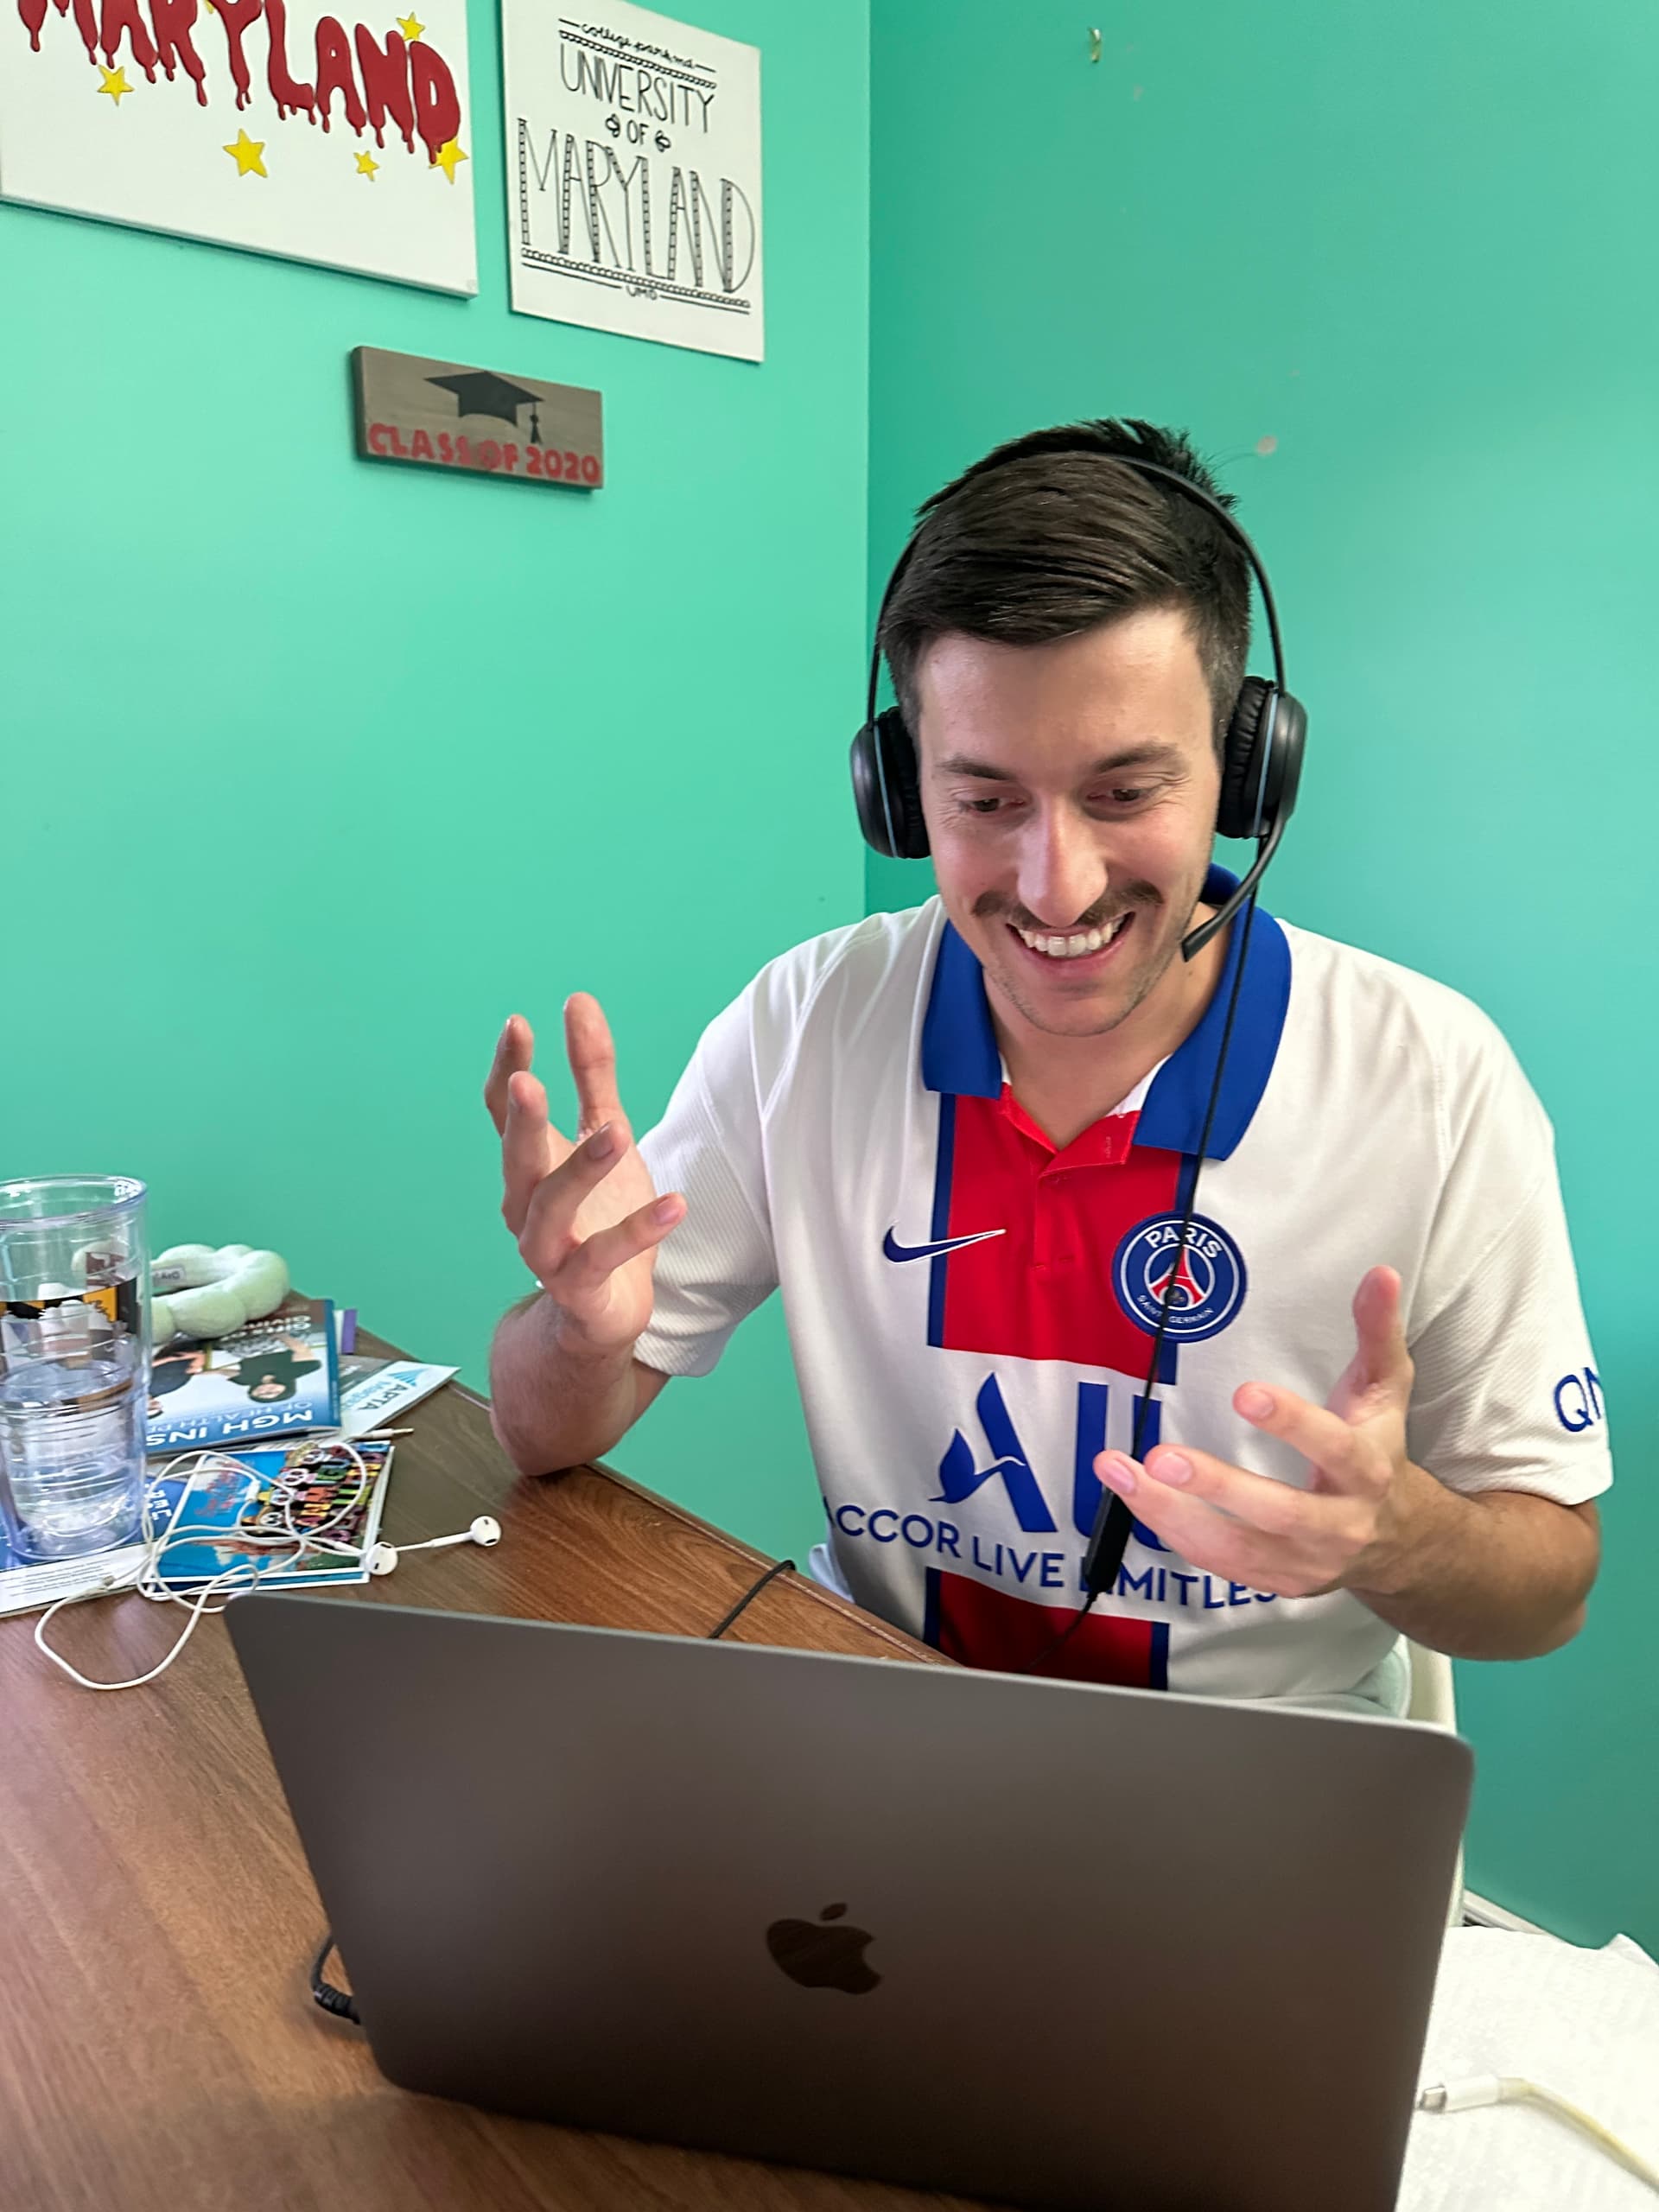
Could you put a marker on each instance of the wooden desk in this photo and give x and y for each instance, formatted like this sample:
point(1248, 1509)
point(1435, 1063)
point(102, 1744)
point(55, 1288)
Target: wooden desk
point(159, 2047)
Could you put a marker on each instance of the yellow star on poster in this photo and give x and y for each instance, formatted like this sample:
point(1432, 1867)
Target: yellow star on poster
point(366, 166)
point(115, 84)
point(246, 153)
point(411, 26)
point(449, 158)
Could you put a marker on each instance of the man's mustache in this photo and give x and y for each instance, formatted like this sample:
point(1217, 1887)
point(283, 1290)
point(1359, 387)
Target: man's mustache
point(991, 906)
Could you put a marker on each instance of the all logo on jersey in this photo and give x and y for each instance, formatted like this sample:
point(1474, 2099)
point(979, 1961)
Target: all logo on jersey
point(959, 1477)
point(1204, 1278)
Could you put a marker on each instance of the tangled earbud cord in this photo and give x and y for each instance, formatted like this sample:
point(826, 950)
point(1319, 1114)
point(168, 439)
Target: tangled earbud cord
point(296, 1545)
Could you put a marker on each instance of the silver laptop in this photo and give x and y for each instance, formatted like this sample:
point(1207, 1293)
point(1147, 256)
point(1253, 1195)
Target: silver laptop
point(1040, 1941)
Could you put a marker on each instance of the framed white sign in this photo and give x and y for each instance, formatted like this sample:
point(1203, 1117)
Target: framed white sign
point(265, 123)
point(633, 176)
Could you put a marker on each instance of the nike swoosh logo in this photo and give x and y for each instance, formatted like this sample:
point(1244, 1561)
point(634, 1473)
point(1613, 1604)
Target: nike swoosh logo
point(894, 1250)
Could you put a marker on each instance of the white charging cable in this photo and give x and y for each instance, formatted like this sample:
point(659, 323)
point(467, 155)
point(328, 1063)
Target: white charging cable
point(287, 1544)
point(1479, 2089)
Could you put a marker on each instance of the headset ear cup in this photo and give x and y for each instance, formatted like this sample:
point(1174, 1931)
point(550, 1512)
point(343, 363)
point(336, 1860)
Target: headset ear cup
point(1257, 791)
point(1240, 766)
point(868, 792)
point(886, 788)
point(904, 781)
point(1289, 739)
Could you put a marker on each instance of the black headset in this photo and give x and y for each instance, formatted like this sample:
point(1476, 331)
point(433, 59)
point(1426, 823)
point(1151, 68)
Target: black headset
point(1261, 755)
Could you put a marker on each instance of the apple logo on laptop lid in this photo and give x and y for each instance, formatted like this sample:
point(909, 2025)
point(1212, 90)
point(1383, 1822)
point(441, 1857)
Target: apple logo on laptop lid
point(821, 1957)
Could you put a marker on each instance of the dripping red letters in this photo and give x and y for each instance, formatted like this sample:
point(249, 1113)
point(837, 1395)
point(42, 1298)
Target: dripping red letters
point(368, 78)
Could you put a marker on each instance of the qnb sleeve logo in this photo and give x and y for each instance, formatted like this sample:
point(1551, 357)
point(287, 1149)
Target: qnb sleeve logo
point(1208, 1278)
point(1578, 1401)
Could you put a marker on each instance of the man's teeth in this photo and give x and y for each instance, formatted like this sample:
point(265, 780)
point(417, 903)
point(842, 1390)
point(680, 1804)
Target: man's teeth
point(1072, 948)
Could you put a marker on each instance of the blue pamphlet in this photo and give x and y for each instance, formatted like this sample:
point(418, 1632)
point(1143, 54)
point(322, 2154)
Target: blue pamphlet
point(229, 1498)
point(275, 1378)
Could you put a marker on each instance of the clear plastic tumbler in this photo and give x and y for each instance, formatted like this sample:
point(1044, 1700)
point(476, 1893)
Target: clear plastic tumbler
point(74, 1355)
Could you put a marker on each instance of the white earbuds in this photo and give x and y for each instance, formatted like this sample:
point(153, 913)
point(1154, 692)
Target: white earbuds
point(289, 1546)
point(384, 1558)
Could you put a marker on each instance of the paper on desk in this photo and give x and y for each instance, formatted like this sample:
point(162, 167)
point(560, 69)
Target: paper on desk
point(372, 1392)
point(1584, 2023)
point(27, 1588)
point(30, 1585)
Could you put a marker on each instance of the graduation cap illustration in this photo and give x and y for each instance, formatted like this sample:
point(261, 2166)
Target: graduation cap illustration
point(479, 392)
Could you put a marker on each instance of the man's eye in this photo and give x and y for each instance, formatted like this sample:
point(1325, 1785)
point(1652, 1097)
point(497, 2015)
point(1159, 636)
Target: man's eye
point(1117, 798)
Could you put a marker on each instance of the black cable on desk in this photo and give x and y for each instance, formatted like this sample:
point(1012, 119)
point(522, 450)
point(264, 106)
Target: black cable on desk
point(779, 1567)
point(341, 2002)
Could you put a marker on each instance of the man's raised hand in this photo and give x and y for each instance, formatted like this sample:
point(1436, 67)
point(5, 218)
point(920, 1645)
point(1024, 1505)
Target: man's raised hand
point(585, 1213)
point(1350, 1528)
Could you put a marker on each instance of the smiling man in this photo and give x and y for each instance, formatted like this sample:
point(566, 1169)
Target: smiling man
point(962, 1140)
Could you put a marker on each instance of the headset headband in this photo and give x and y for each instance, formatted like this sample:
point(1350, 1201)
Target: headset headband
point(1211, 505)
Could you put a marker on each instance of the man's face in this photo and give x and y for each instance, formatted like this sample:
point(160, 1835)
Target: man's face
point(1069, 789)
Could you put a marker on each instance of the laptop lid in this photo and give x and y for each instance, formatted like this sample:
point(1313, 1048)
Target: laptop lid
point(1064, 1945)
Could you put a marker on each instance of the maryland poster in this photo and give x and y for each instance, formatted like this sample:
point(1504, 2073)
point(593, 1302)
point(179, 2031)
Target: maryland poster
point(271, 125)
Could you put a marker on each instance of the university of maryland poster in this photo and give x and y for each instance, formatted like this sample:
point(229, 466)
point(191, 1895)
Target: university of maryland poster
point(633, 175)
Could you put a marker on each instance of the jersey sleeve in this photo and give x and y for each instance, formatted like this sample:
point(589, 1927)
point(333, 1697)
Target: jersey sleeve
point(718, 1264)
point(1506, 1394)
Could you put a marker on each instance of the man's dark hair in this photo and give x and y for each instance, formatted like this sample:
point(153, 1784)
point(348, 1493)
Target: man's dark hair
point(1039, 541)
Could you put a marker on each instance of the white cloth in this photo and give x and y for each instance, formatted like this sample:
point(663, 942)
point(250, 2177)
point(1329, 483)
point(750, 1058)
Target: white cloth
point(968, 1310)
point(1584, 2023)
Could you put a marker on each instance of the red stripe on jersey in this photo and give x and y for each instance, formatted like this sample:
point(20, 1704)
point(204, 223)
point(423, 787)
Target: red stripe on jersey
point(981, 1627)
point(1044, 1289)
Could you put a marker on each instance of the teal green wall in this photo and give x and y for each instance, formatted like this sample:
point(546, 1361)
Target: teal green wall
point(314, 770)
point(1412, 249)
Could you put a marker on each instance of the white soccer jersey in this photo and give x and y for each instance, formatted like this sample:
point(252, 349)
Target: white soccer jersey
point(971, 1312)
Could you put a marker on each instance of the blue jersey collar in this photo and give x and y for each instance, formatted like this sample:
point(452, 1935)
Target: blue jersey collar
point(960, 1054)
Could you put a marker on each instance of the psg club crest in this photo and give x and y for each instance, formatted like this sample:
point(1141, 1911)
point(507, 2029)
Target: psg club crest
point(1210, 1279)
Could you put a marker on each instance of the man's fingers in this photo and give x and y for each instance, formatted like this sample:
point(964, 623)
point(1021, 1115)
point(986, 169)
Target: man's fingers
point(593, 1061)
point(531, 1149)
point(598, 1257)
point(1299, 1558)
point(1279, 1509)
point(574, 1268)
point(546, 1223)
point(514, 1048)
point(1193, 1531)
point(1385, 1362)
point(1345, 1455)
